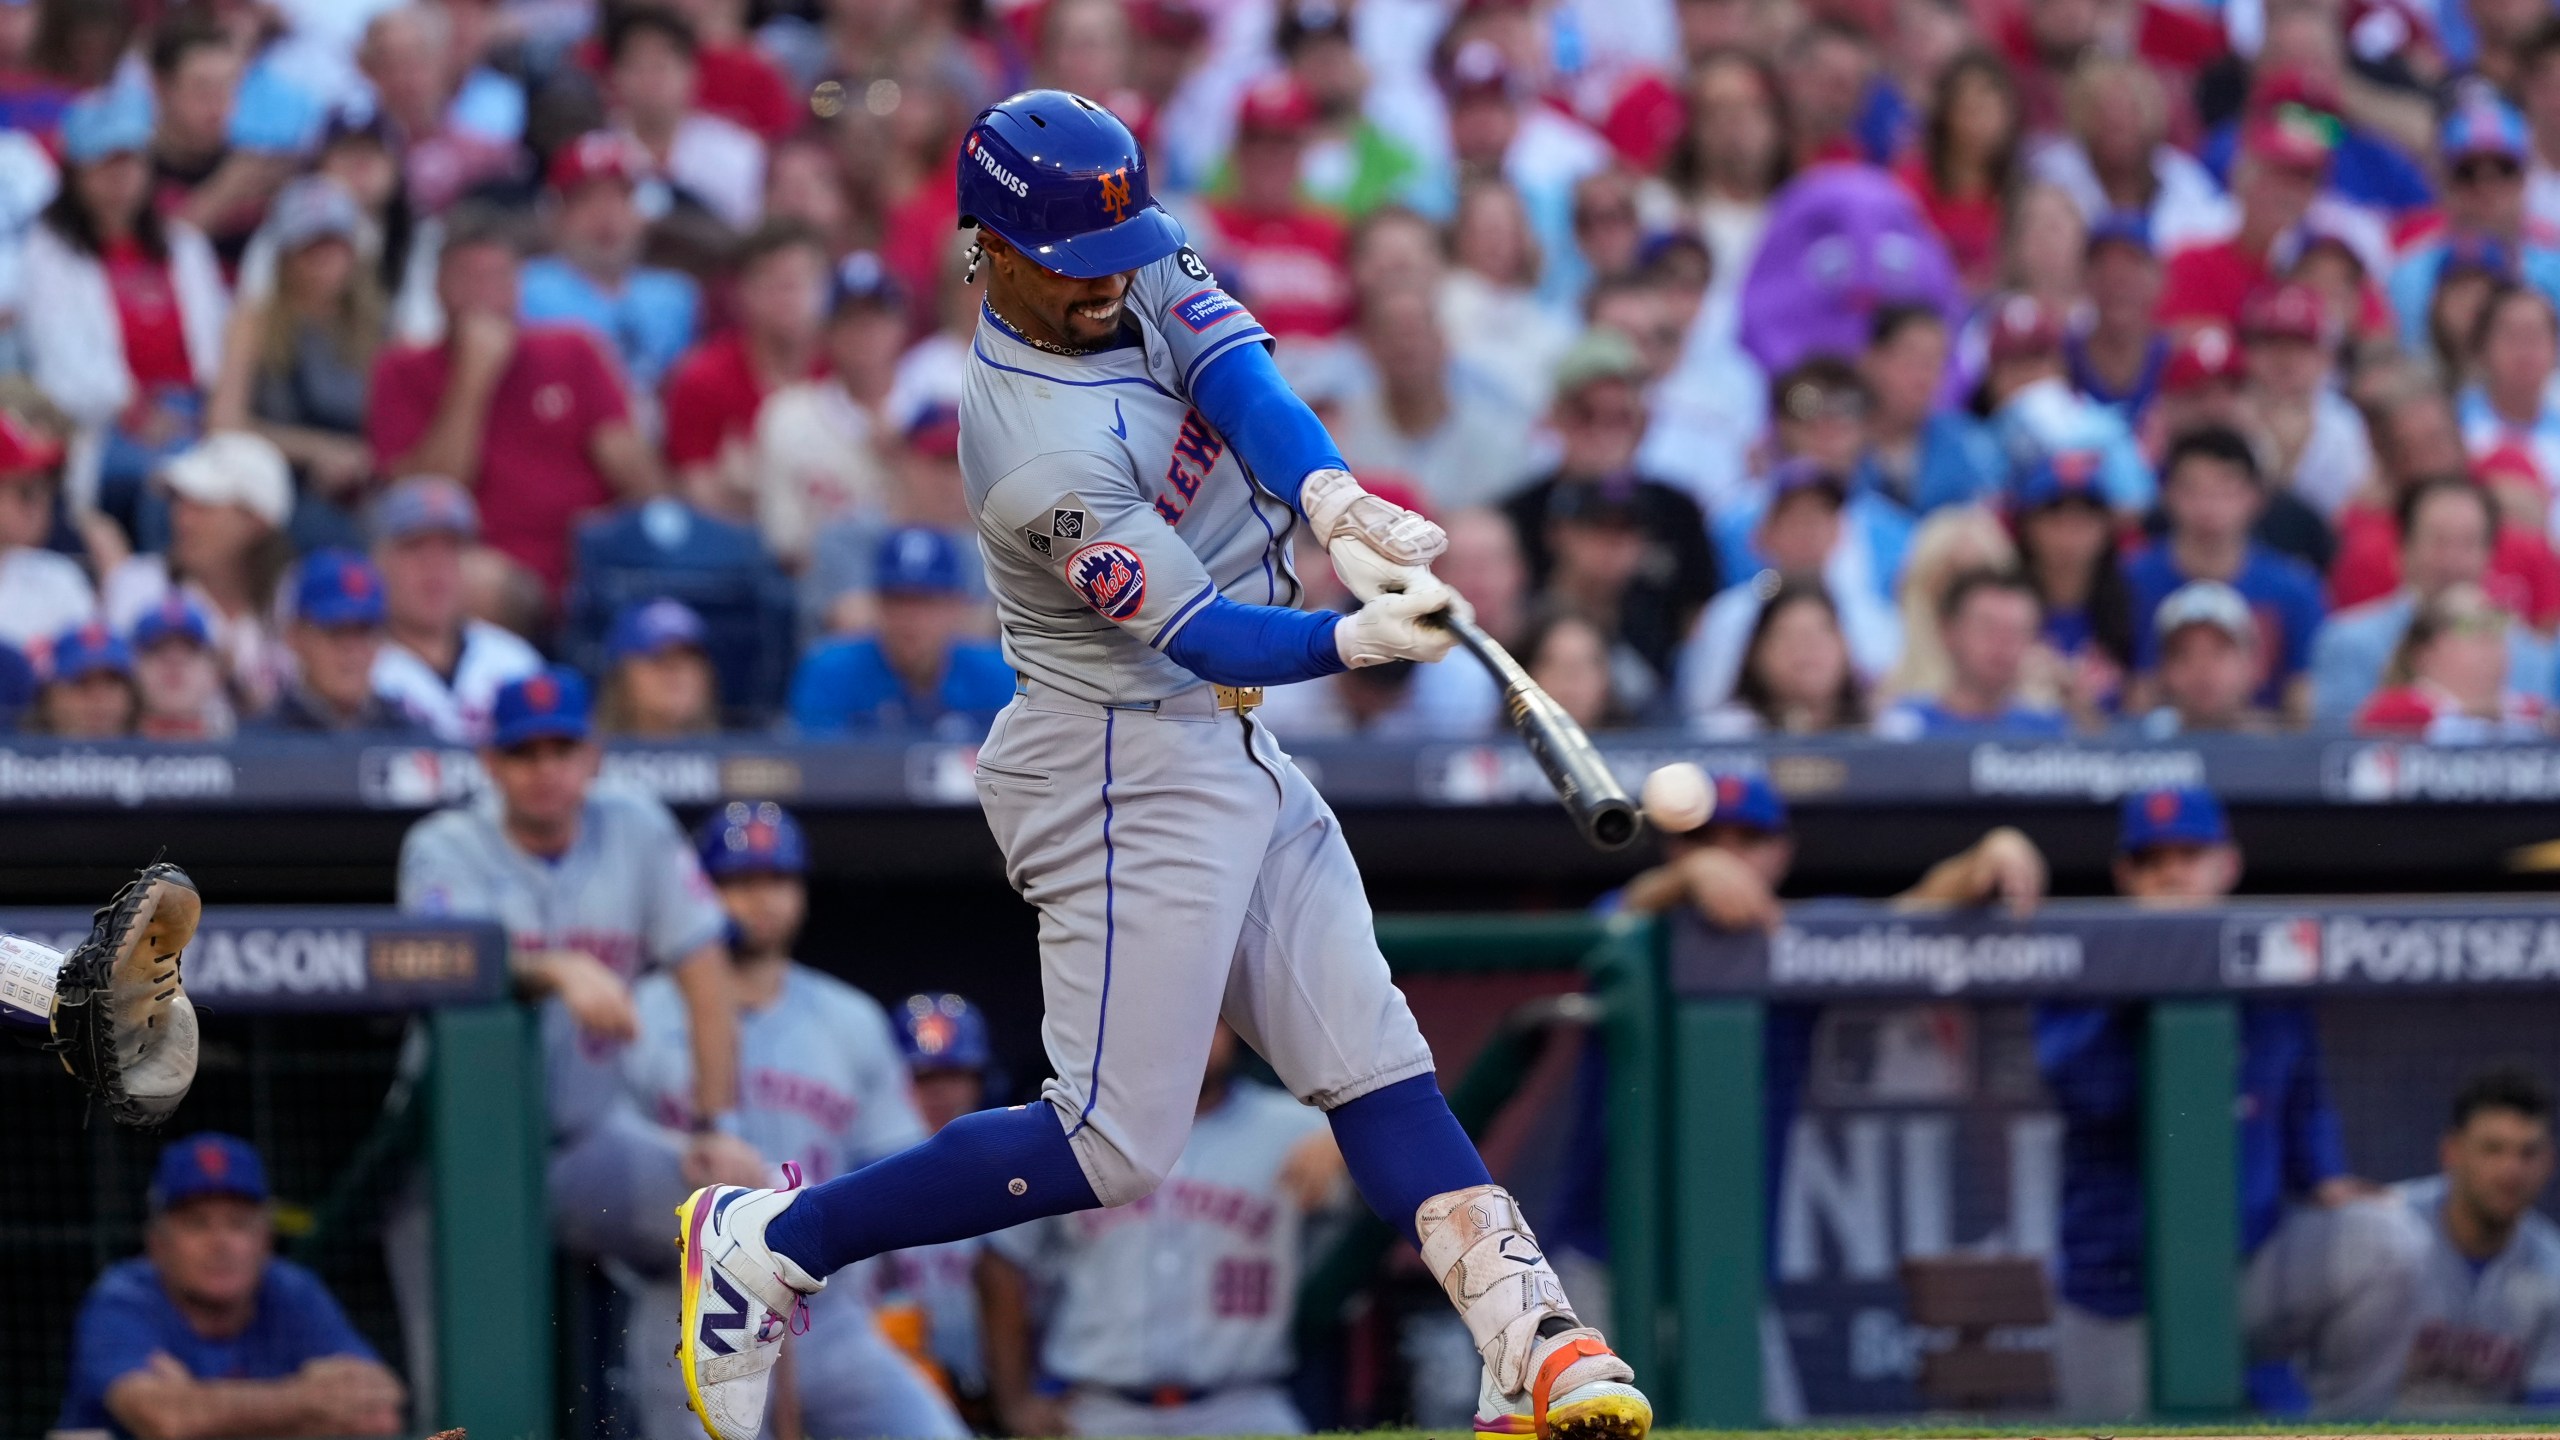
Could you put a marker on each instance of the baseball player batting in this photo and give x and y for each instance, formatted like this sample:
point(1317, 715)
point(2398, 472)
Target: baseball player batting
point(1136, 465)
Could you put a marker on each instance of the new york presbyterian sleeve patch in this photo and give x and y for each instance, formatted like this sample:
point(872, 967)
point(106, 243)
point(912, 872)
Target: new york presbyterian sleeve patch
point(1110, 577)
point(1204, 308)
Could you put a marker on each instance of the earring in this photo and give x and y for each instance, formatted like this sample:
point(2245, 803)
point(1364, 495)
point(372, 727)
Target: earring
point(977, 255)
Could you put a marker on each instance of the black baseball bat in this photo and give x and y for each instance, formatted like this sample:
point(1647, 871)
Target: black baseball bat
point(1591, 794)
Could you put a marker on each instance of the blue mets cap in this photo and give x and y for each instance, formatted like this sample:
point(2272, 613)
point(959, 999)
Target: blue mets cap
point(550, 704)
point(1748, 802)
point(654, 627)
point(1064, 182)
point(2178, 815)
point(175, 618)
point(2054, 478)
point(85, 650)
point(338, 587)
point(751, 838)
point(938, 1030)
point(208, 1163)
point(915, 560)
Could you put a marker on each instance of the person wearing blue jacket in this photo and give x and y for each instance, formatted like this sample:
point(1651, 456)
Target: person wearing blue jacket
point(917, 670)
point(2325, 1270)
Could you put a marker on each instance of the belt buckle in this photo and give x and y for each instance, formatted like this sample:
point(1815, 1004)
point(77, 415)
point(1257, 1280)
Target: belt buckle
point(1239, 698)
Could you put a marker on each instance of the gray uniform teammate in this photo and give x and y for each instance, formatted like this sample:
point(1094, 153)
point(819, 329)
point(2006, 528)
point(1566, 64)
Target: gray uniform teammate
point(1171, 1317)
point(2486, 1329)
point(822, 1087)
point(1136, 466)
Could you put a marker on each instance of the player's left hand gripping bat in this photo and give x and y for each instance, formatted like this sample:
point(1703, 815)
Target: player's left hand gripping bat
point(1591, 794)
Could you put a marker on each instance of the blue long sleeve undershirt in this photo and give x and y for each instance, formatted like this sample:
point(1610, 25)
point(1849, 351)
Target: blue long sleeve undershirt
point(1227, 642)
point(1279, 439)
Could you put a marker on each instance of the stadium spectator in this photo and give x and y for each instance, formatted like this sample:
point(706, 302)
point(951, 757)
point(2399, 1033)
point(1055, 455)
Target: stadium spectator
point(2047, 255)
point(1988, 624)
point(1798, 534)
point(1354, 164)
point(2515, 346)
point(594, 275)
point(123, 310)
point(177, 676)
point(532, 419)
point(1608, 225)
point(87, 690)
point(1489, 300)
point(1968, 162)
point(1288, 258)
point(199, 175)
point(653, 77)
point(1915, 443)
point(1731, 159)
point(917, 671)
point(2026, 391)
point(396, 247)
point(839, 592)
point(2066, 550)
point(2207, 678)
point(438, 663)
point(1796, 678)
point(42, 592)
point(1430, 417)
point(2302, 1213)
point(1824, 70)
point(336, 635)
point(1498, 126)
point(2373, 179)
point(658, 682)
point(2538, 92)
point(714, 393)
point(1707, 401)
point(1234, 1226)
point(2448, 682)
point(2199, 389)
point(2485, 1331)
point(2472, 271)
point(818, 443)
point(453, 122)
point(2212, 492)
point(2482, 145)
point(1819, 413)
point(2311, 437)
point(2284, 162)
point(230, 496)
point(2448, 529)
point(2117, 165)
point(1954, 540)
point(738, 80)
point(1575, 661)
point(296, 361)
point(1596, 547)
point(207, 1333)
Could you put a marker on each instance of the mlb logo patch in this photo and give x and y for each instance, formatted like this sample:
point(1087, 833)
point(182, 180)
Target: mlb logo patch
point(1110, 577)
point(1204, 309)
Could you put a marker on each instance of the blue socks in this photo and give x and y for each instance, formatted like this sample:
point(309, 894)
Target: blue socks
point(1402, 1147)
point(959, 1184)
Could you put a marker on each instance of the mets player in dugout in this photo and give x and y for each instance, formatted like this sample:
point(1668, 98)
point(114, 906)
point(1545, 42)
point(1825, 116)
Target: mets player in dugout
point(1137, 465)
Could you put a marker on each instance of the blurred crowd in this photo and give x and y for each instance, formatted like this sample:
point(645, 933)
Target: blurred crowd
point(1915, 367)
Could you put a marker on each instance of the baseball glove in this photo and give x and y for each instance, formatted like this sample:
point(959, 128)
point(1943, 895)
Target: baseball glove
point(121, 1019)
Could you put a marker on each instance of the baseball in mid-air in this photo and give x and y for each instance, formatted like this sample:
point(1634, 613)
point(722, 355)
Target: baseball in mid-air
point(1678, 799)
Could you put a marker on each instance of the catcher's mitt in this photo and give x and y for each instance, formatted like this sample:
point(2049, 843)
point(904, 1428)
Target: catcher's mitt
point(121, 1019)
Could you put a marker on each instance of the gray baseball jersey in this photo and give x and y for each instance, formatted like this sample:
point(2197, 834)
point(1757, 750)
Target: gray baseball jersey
point(1193, 1286)
point(629, 892)
point(2487, 1333)
point(1108, 510)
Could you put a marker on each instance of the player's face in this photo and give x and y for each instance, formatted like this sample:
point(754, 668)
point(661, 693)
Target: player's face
point(1070, 311)
point(767, 909)
point(212, 1249)
point(2498, 1163)
point(2171, 875)
point(943, 1096)
point(542, 782)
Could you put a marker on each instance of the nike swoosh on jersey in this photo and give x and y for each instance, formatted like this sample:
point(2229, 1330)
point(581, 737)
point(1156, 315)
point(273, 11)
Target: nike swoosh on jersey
point(1119, 422)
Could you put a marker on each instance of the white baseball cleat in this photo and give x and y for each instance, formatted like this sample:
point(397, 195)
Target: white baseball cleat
point(1578, 1390)
point(740, 1300)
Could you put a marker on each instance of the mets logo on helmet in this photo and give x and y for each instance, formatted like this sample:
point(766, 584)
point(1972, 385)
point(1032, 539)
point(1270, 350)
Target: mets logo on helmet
point(1111, 578)
point(1115, 193)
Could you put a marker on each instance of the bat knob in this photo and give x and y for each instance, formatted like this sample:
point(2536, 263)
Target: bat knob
point(1614, 824)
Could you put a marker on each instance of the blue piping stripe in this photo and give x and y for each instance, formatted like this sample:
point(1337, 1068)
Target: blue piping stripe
point(1110, 931)
point(1221, 348)
point(1173, 622)
point(994, 364)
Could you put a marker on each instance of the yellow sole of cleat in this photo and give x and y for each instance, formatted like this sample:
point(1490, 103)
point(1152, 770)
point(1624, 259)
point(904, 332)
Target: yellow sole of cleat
point(1605, 1417)
point(689, 1265)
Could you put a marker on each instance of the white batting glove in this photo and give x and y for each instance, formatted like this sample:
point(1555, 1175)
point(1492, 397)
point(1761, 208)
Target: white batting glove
point(1391, 628)
point(1378, 547)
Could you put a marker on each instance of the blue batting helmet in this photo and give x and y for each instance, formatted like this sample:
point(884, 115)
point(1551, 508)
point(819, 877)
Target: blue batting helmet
point(938, 1030)
point(759, 838)
point(1064, 182)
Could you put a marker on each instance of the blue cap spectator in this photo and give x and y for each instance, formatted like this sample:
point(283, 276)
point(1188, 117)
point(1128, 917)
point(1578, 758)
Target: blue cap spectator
point(2060, 476)
point(425, 505)
point(917, 669)
point(659, 684)
point(106, 123)
point(336, 637)
point(338, 588)
point(1748, 802)
point(207, 1317)
point(175, 617)
point(951, 1057)
point(179, 673)
point(751, 838)
point(88, 691)
point(551, 705)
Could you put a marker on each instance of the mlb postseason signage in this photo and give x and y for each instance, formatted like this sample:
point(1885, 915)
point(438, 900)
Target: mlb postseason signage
point(253, 960)
point(931, 771)
point(2099, 948)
